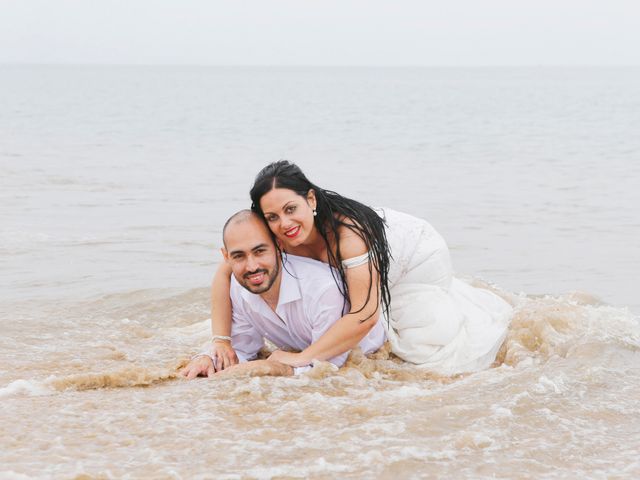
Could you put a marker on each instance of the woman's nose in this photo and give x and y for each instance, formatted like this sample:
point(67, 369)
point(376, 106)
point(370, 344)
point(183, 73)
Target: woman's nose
point(285, 223)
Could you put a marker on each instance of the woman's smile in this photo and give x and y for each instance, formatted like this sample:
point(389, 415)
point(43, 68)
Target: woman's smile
point(292, 232)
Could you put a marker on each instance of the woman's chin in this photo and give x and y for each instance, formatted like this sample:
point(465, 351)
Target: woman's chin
point(289, 243)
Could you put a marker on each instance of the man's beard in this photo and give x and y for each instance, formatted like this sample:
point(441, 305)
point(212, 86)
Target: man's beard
point(265, 286)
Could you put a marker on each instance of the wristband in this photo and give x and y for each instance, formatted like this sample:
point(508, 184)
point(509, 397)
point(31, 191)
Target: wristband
point(220, 337)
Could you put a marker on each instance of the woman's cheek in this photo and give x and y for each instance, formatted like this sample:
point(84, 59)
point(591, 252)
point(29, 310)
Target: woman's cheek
point(280, 236)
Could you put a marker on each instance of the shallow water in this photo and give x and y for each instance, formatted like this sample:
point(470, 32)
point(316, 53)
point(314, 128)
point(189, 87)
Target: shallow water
point(115, 185)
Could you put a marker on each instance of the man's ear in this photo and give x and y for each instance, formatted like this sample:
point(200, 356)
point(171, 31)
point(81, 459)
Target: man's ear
point(311, 198)
point(225, 254)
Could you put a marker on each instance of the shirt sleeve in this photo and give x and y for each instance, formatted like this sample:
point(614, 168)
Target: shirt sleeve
point(324, 312)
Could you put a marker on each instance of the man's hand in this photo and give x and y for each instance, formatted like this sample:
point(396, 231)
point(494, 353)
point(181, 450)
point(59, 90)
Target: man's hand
point(224, 355)
point(288, 358)
point(202, 365)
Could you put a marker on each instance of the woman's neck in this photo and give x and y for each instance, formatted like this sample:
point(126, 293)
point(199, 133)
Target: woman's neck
point(315, 247)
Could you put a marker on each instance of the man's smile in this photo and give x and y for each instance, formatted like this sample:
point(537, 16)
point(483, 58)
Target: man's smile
point(257, 277)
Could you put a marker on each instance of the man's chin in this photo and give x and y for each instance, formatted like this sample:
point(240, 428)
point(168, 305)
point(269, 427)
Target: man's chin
point(257, 289)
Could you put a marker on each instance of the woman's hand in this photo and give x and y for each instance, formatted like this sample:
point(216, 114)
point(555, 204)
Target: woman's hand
point(223, 355)
point(289, 358)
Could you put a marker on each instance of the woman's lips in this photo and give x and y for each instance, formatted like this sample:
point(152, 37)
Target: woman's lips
point(292, 232)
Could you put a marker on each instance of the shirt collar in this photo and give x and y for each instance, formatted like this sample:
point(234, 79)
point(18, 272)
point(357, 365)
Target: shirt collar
point(289, 286)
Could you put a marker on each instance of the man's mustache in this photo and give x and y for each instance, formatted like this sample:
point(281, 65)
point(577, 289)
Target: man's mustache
point(259, 270)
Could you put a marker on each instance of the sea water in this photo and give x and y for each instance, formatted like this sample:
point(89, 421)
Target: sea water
point(115, 183)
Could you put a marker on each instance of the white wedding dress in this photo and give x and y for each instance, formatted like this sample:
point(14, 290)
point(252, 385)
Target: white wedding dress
point(437, 321)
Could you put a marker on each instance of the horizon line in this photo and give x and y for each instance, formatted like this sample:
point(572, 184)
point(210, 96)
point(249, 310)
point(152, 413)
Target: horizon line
point(275, 65)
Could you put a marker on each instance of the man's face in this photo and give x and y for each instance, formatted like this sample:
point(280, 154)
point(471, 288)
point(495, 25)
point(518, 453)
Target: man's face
point(252, 255)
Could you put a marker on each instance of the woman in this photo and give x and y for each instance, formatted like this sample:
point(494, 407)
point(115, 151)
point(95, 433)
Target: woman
point(389, 265)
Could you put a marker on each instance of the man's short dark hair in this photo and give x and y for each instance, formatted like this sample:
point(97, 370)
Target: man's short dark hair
point(244, 216)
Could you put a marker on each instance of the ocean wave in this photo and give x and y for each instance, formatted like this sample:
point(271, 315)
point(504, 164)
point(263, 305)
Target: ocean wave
point(132, 376)
point(549, 326)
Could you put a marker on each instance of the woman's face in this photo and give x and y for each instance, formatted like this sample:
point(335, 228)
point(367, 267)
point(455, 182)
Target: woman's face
point(289, 215)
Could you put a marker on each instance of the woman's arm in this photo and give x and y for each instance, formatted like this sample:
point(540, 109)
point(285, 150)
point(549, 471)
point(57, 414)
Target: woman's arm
point(221, 350)
point(350, 329)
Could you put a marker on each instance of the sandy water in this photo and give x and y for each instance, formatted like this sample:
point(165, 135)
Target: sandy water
point(115, 183)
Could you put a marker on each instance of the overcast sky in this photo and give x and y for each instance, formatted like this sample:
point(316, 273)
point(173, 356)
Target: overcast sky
point(323, 32)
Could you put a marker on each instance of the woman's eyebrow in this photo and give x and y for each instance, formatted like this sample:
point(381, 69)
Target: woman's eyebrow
point(283, 207)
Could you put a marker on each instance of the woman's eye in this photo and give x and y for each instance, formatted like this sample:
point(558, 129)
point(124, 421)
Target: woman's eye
point(291, 209)
point(270, 218)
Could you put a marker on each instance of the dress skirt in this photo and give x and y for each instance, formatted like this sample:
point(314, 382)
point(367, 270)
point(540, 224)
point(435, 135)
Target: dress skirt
point(435, 320)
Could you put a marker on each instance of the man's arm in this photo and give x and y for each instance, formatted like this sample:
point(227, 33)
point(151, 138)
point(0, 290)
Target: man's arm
point(246, 341)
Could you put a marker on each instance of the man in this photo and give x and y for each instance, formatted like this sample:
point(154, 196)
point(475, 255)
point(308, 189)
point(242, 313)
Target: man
point(291, 301)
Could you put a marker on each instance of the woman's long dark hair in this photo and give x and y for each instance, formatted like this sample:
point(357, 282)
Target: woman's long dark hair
point(333, 211)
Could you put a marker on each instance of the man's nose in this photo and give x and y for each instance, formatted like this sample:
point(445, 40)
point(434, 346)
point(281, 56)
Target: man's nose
point(252, 263)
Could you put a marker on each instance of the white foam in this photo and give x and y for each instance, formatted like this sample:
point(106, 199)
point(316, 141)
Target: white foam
point(481, 440)
point(11, 475)
point(547, 385)
point(501, 411)
point(27, 388)
point(317, 466)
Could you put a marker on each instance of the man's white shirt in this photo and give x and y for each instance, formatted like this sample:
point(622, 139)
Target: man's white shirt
point(309, 303)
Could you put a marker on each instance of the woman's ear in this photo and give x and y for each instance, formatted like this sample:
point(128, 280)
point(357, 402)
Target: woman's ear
point(311, 198)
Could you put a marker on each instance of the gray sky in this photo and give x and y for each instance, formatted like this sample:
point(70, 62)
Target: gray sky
point(326, 32)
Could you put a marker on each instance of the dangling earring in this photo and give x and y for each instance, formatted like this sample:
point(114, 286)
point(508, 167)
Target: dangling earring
point(315, 213)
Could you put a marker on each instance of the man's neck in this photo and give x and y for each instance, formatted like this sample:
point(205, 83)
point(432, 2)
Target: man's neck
point(272, 295)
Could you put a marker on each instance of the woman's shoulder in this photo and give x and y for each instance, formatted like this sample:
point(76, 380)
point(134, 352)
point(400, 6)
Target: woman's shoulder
point(351, 242)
